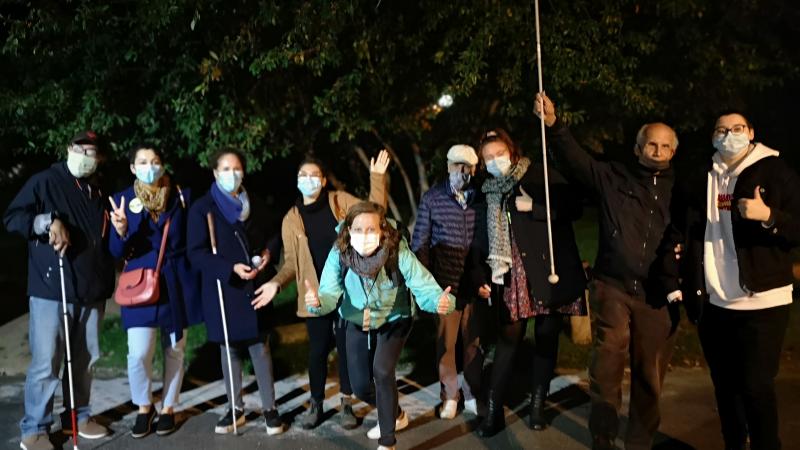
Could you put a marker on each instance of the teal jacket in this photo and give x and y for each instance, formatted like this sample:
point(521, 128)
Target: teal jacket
point(386, 302)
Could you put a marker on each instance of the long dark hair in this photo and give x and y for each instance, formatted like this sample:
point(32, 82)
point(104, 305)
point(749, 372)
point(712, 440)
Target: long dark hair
point(390, 237)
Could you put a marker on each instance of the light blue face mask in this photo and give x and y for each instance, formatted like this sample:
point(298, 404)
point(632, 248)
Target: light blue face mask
point(149, 173)
point(309, 186)
point(499, 166)
point(230, 180)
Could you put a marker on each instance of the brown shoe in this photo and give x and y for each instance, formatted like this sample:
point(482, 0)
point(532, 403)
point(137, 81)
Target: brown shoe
point(36, 442)
point(88, 430)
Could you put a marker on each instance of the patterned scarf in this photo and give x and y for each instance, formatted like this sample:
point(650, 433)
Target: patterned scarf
point(496, 189)
point(153, 197)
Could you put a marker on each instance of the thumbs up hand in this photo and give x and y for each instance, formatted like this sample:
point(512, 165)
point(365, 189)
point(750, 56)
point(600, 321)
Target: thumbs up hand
point(754, 208)
point(444, 302)
point(119, 218)
point(524, 202)
point(311, 298)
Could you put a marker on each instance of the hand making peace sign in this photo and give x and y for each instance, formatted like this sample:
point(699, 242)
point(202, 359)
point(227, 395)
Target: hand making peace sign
point(118, 217)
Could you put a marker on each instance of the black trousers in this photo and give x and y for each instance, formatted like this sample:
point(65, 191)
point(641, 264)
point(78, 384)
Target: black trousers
point(372, 356)
point(545, 354)
point(323, 333)
point(743, 351)
point(628, 327)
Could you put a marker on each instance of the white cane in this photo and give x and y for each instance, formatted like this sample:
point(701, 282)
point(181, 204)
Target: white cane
point(211, 234)
point(73, 413)
point(552, 278)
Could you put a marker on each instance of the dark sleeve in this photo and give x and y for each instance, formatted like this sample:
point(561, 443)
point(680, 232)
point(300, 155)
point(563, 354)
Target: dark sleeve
point(665, 276)
point(576, 161)
point(786, 216)
point(198, 247)
point(421, 240)
point(22, 211)
point(479, 272)
point(565, 203)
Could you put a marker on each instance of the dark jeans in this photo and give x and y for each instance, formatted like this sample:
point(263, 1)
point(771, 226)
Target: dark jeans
point(377, 361)
point(322, 332)
point(628, 327)
point(545, 353)
point(743, 351)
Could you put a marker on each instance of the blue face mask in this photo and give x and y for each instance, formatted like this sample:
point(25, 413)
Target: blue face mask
point(499, 166)
point(309, 186)
point(230, 180)
point(459, 181)
point(149, 173)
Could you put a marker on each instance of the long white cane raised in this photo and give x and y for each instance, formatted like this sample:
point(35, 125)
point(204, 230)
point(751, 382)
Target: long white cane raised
point(552, 278)
point(73, 413)
point(213, 237)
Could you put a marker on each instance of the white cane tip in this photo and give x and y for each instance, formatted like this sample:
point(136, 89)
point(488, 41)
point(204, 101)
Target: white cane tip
point(552, 278)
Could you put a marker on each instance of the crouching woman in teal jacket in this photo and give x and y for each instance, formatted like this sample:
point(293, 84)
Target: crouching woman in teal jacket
point(372, 269)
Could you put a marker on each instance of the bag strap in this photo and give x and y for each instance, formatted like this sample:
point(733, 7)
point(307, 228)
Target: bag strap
point(163, 246)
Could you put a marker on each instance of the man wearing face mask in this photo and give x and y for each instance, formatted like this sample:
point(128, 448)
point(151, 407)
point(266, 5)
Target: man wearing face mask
point(734, 266)
point(61, 213)
point(442, 239)
point(630, 323)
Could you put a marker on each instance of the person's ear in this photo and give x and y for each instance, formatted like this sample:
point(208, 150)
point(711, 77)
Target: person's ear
point(324, 181)
point(133, 169)
point(751, 133)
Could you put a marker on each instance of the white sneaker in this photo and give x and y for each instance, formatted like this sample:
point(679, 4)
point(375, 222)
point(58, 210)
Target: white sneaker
point(449, 410)
point(400, 423)
point(383, 447)
point(471, 406)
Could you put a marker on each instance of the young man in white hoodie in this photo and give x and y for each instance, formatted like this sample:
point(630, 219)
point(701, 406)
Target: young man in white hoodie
point(730, 249)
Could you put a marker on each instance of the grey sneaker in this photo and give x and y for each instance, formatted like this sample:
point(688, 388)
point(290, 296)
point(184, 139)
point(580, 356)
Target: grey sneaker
point(87, 430)
point(36, 442)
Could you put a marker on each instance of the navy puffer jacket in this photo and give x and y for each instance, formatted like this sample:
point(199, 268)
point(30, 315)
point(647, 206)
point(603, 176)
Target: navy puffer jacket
point(443, 236)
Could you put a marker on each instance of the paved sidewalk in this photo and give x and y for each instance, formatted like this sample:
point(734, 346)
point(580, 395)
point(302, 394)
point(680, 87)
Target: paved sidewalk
point(689, 422)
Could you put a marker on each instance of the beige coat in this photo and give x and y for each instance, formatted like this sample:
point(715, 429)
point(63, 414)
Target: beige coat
point(297, 263)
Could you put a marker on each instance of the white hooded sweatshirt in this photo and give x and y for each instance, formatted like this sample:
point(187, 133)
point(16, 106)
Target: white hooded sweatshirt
point(721, 265)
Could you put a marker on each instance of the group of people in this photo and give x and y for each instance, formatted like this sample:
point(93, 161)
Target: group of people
point(479, 255)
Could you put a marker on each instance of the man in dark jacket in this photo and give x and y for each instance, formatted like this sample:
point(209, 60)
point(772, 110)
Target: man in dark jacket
point(734, 224)
point(442, 238)
point(634, 213)
point(61, 213)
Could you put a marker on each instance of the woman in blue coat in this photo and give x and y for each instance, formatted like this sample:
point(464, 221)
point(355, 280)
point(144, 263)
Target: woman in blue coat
point(239, 225)
point(139, 217)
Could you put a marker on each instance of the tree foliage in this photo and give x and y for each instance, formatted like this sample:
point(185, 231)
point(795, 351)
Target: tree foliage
point(277, 78)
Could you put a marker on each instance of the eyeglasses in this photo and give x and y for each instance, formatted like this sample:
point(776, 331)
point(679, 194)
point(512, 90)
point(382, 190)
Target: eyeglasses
point(88, 151)
point(734, 130)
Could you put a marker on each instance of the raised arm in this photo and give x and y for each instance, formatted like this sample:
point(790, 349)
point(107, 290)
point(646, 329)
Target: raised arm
point(581, 165)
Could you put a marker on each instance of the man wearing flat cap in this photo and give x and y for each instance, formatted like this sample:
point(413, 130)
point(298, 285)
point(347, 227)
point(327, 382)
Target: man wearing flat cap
point(442, 239)
point(61, 213)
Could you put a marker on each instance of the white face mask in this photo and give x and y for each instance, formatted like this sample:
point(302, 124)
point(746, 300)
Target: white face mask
point(731, 144)
point(80, 165)
point(365, 243)
point(309, 186)
point(230, 180)
point(499, 166)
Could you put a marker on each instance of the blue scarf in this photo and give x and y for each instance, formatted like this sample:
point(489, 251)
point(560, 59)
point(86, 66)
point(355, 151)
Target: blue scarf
point(233, 208)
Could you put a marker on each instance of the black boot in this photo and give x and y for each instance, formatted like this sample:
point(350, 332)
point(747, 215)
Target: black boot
point(495, 420)
point(536, 419)
point(602, 442)
point(313, 416)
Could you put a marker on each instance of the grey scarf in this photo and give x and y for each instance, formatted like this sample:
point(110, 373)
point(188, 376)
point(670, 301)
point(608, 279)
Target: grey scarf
point(365, 266)
point(496, 189)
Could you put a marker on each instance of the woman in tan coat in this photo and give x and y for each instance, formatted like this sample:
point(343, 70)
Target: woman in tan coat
point(308, 232)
